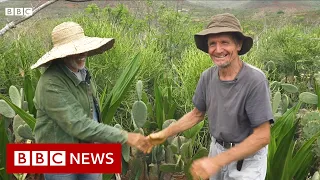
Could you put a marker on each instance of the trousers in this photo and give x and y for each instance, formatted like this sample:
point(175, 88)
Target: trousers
point(254, 167)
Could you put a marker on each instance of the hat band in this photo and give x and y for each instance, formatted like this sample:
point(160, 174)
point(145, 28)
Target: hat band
point(226, 26)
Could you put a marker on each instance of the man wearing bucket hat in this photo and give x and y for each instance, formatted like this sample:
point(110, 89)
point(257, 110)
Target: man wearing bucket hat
point(66, 103)
point(235, 96)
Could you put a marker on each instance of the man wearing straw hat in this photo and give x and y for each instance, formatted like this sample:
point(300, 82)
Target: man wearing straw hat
point(235, 96)
point(67, 108)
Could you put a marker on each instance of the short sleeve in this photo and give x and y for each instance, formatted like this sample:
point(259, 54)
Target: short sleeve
point(200, 95)
point(258, 106)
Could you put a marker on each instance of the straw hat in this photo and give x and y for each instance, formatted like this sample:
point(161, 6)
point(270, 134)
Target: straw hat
point(223, 23)
point(68, 39)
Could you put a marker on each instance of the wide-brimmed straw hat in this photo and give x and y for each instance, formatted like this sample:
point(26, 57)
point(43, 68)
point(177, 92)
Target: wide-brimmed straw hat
point(68, 39)
point(223, 23)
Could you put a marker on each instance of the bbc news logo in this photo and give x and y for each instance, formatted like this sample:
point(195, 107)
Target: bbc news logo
point(18, 11)
point(64, 158)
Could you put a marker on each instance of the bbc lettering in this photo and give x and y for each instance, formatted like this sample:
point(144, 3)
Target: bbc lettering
point(39, 158)
point(18, 11)
point(58, 158)
point(64, 158)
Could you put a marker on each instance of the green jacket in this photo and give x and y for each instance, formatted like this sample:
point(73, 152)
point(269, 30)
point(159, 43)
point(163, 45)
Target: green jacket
point(65, 110)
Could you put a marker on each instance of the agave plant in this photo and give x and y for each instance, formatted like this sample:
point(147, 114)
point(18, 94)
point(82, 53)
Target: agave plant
point(285, 162)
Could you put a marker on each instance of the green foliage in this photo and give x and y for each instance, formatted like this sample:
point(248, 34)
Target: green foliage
point(115, 97)
point(284, 162)
point(3, 142)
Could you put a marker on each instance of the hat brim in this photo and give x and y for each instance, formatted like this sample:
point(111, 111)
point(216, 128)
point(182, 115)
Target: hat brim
point(202, 41)
point(91, 45)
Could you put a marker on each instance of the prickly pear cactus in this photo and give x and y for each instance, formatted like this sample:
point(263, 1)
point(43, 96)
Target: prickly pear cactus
point(139, 109)
point(275, 86)
point(125, 147)
point(17, 121)
point(139, 87)
point(310, 126)
point(270, 66)
point(166, 124)
point(308, 97)
point(289, 88)
point(6, 110)
point(15, 96)
point(276, 101)
point(153, 171)
point(316, 176)
point(25, 132)
point(158, 154)
point(284, 103)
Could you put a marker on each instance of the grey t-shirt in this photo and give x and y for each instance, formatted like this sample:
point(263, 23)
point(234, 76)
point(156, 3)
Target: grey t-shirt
point(235, 107)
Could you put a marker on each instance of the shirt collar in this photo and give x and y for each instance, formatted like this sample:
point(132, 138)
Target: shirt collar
point(71, 75)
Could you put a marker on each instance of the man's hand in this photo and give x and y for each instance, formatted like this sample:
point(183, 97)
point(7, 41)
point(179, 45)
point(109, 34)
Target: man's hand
point(139, 141)
point(204, 168)
point(156, 139)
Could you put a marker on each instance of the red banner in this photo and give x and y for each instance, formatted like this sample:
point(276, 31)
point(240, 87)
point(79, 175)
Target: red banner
point(63, 158)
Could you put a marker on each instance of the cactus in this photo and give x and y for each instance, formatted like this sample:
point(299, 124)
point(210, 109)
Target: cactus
point(125, 147)
point(170, 150)
point(316, 176)
point(170, 168)
point(15, 96)
point(275, 86)
point(25, 132)
point(276, 101)
point(270, 66)
point(139, 113)
point(158, 154)
point(284, 103)
point(166, 124)
point(136, 165)
point(289, 88)
point(308, 98)
point(139, 88)
point(153, 171)
point(186, 151)
point(310, 126)
point(139, 109)
point(178, 141)
point(6, 110)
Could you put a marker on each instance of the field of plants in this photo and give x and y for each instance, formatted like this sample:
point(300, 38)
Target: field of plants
point(155, 61)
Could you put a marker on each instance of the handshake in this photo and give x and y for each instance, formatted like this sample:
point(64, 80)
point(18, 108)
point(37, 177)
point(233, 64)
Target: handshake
point(145, 143)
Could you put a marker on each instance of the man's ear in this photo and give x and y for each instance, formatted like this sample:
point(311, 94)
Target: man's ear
point(239, 45)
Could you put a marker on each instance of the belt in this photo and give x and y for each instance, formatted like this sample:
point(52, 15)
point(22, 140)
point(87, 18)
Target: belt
point(228, 146)
point(225, 144)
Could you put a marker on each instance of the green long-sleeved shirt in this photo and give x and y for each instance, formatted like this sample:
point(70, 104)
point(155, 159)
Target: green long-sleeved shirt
point(65, 110)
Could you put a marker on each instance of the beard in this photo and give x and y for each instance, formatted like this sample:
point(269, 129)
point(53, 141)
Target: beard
point(225, 65)
point(75, 65)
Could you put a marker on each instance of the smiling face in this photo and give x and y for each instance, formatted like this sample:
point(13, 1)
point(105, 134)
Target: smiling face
point(76, 62)
point(223, 49)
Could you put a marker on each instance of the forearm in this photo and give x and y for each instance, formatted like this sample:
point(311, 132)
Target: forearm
point(249, 146)
point(186, 122)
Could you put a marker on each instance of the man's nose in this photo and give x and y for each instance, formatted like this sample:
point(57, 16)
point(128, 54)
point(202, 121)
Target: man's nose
point(219, 48)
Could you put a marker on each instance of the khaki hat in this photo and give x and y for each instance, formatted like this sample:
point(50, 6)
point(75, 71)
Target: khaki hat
point(68, 39)
point(223, 23)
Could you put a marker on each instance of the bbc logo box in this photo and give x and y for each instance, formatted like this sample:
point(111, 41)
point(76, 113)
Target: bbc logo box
point(18, 11)
point(64, 158)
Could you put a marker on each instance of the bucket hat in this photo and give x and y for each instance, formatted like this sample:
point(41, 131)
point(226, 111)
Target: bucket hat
point(223, 23)
point(68, 39)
